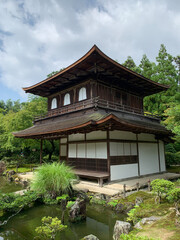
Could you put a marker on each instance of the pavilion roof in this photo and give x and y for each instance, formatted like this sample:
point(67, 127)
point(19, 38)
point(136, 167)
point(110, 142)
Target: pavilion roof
point(91, 122)
point(95, 64)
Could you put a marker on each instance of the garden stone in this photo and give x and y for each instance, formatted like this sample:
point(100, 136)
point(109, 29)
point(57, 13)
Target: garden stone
point(138, 201)
point(120, 208)
point(120, 228)
point(16, 180)
point(78, 211)
point(129, 206)
point(138, 225)
point(24, 182)
point(11, 173)
point(90, 237)
point(150, 220)
point(2, 167)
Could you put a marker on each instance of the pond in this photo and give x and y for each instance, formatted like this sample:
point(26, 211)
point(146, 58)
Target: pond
point(8, 187)
point(100, 221)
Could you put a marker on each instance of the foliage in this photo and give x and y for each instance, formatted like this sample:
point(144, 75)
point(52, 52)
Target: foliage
point(63, 197)
point(49, 229)
point(174, 195)
point(13, 202)
point(172, 158)
point(49, 201)
point(133, 215)
point(53, 179)
point(113, 203)
point(161, 187)
point(134, 237)
point(70, 204)
point(97, 201)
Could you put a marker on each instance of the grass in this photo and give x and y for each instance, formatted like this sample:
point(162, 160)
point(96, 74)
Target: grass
point(53, 179)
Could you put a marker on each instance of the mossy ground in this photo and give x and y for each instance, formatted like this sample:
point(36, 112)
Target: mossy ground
point(165, 228)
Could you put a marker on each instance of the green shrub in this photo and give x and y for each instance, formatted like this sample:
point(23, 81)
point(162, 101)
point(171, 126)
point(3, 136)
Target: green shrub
point(161, 187)
point(172, 158)
point(13, 202)
point(49, 229)
point(134, 215)
point(113, 203)
point(174, 195)
point(53, 179)
point(134, 237)
point(70, 204)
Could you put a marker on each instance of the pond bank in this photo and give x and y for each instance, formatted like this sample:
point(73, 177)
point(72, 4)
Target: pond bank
point(114, 188)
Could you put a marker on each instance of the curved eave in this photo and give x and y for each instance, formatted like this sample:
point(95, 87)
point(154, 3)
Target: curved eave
point(105, 121)
point(94, 49)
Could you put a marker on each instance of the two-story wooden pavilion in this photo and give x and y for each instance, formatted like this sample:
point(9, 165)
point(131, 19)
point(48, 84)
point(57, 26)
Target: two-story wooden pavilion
point(95, 109)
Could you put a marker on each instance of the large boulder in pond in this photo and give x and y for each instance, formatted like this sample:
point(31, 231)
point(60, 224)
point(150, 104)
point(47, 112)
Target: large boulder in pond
point(120, 228)
point(78, 211)
point(90, 237)
point(2, 167)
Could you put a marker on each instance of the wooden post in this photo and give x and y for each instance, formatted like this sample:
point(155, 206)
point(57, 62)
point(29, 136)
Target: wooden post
point(137, 186)
point(124, 190)
point(41, 147)
point(149, 185)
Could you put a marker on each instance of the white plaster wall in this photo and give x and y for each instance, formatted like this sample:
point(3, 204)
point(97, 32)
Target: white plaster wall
point(63, 150)
point(72, 151)
point(96, 135)
point(122, 149)
point(148, 158)
point(133, 149)
point(63, 140)
point(122, 135)
point(146, 137)
point(101, 150)
point(123, 171)
point(77, 137)
point(162, 157)
point(91, 150)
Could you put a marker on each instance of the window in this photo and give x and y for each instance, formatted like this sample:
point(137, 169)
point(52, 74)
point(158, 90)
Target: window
point(67, 99)
point(54, 103)
point(82, 94)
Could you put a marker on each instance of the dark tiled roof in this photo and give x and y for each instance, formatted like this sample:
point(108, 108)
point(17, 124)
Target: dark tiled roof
point(62, 126)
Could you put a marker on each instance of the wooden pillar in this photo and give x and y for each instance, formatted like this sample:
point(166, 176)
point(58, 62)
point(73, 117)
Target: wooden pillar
point(108, 155)
point(138, 154)
point(41, 148)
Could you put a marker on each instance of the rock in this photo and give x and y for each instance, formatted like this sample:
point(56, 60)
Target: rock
point(119, 228)
point(90, 237)
point(11, 173)
point(78, 211)
point(129, 206)
point(138, 201)
point(101, 196)
point(138, 225)
point(148, 220)
point(16, 180)
point(2, 167)
point(24, 182)
point(83, 195)
point(85, 190)
point(120, 208)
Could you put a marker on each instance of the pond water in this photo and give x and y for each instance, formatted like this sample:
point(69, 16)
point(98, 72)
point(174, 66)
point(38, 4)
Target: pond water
point(100, 222)
point(8, 187)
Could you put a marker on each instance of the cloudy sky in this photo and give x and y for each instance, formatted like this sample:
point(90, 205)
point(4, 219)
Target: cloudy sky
point(41, 36)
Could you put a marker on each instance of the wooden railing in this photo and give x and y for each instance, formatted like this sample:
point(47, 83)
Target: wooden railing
point(94, 102)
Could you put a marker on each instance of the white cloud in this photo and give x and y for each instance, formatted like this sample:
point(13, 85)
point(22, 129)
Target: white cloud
point(40, 36)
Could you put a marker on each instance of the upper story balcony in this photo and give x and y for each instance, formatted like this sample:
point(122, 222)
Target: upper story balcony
point(95, 103)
